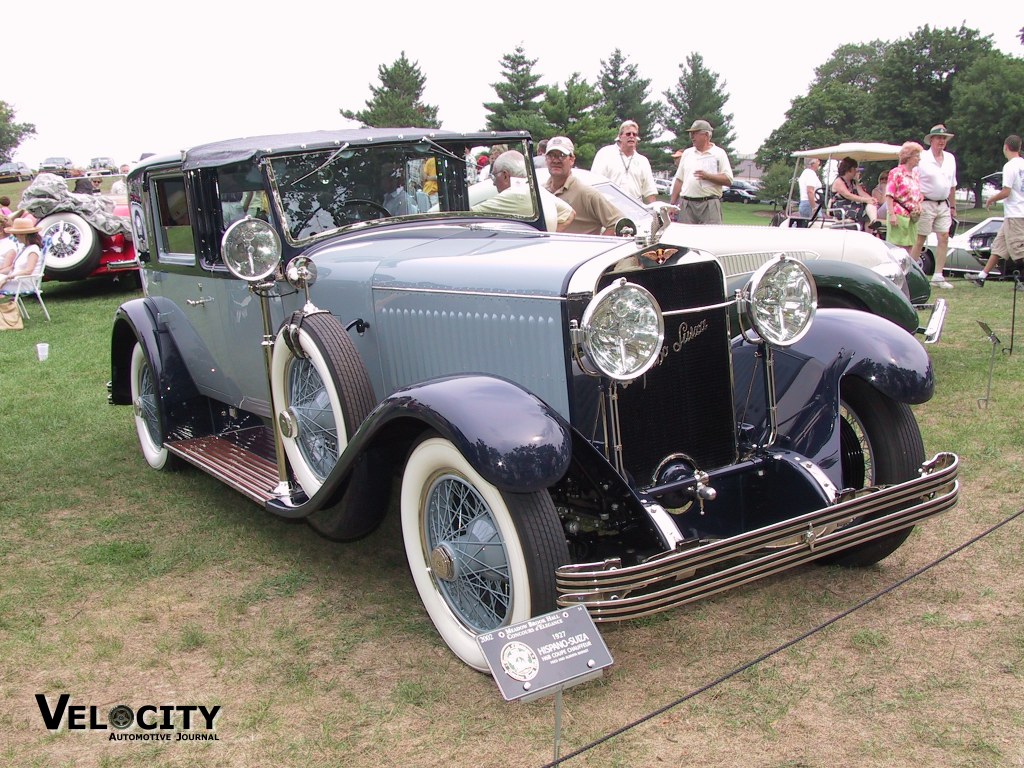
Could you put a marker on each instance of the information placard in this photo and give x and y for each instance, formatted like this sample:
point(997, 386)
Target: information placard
point(545, 654)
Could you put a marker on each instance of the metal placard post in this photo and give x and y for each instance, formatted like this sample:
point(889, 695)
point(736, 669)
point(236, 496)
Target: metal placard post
point(545, 655)
point(983, 401)
point(1018, 286)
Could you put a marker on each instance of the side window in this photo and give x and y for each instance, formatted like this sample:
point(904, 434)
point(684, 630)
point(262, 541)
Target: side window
point(174, 228)
point(240, 193)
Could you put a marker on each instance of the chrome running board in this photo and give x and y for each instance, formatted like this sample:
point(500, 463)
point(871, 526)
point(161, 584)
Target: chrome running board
point(612, 592)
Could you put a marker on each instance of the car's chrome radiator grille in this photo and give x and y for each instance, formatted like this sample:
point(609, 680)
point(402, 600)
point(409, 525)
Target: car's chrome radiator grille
point(684, 404)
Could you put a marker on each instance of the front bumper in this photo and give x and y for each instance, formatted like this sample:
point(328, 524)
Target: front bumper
point(933, 330)
point(611, 592)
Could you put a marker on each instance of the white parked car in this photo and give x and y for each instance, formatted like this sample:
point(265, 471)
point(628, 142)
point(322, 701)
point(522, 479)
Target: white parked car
point(851, 269)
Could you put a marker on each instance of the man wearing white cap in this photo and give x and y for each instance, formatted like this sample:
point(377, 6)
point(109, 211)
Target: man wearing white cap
point(937, 173)
point(621, 163)
point(703, 170)
point(595, 215)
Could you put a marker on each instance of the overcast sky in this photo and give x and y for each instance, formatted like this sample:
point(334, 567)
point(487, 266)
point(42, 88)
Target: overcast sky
point(119, 78)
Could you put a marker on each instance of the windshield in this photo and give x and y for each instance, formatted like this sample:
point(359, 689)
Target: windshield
point(628, 206)
point(326, 190)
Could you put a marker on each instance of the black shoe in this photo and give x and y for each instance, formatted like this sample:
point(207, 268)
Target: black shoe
point(977, 280)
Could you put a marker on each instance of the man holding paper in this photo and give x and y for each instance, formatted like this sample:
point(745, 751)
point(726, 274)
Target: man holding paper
point(703, 170)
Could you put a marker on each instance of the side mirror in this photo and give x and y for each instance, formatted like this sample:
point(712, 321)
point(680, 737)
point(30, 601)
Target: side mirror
point(625, 228)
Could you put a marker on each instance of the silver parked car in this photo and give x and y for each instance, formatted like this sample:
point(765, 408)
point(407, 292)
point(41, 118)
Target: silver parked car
point(968, 250)
point(568, 419)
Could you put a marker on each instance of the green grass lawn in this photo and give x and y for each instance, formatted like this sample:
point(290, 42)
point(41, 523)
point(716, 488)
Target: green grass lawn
point(121, 585)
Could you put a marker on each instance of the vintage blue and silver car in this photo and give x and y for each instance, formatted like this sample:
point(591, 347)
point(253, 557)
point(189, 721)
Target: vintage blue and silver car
point(568, 419)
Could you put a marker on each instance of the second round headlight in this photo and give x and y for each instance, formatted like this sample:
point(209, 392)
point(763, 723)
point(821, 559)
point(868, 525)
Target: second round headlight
point(623, 330)
point(781, 301)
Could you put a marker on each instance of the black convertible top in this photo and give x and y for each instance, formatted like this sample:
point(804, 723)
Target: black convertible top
point(253, 147)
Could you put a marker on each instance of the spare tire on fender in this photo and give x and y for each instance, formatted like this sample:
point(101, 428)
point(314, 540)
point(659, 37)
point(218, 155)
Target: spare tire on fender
point(73, 247)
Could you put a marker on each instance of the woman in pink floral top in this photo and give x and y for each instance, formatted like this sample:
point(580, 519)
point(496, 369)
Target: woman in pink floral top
point(903, 196)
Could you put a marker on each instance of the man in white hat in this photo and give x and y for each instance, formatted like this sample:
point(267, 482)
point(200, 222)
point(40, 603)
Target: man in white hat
point(703, 170)
point(623, 164)
point(937, 173)
point(595, 215)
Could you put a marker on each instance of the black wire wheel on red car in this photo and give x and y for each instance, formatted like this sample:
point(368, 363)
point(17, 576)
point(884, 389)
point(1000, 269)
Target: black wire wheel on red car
point(321, 394)
point(481, 558)
point(73, 247)
point(880, 444)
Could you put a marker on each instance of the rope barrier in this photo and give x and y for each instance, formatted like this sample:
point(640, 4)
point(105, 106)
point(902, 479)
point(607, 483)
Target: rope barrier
point(788, 644)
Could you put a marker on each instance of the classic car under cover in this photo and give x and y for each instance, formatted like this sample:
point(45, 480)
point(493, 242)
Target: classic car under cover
point(48, 193)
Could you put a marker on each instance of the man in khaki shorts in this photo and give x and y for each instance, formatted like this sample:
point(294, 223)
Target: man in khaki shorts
point(937, 172)
point(1009, 242)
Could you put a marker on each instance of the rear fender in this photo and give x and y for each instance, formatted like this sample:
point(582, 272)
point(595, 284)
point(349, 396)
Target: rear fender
point(135, 321)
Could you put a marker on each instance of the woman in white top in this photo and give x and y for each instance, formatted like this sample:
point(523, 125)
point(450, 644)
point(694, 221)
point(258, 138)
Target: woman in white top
point(29, 252)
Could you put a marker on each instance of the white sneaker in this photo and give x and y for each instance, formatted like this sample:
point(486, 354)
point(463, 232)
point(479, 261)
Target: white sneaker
point(942, 284)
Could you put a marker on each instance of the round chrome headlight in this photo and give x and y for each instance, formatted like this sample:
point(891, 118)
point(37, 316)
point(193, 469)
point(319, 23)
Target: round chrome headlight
point(251, 249)
point(781, 301)
point(623, 330)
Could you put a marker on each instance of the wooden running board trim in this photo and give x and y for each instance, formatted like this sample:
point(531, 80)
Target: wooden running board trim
point(249, 473)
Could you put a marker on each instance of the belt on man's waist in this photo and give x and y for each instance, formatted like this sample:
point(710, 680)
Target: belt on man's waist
point(700, 199)
point(944, 200)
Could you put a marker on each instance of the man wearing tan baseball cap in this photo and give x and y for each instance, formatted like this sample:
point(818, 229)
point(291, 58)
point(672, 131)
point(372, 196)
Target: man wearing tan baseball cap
point(594, 214)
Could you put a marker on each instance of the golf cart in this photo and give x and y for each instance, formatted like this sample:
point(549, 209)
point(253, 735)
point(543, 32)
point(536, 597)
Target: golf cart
point(824, 213)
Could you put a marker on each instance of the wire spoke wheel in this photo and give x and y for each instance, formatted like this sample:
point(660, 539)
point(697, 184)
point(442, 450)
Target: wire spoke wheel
point(880, 444)
point(321, 394)
point(147, 408)
point(460, 527)
point(317, 428)
point(481, 558)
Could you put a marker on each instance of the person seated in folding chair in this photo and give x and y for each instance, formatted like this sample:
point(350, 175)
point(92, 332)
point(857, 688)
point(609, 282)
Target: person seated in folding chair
point(26, 271)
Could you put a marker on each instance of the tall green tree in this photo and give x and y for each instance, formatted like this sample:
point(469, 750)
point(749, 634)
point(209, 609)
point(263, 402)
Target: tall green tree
point(827, 115)
point(396, 102)
point(839, 105)
point(11, 132)
point(857, 64)
point(988, 103)
point(576, 111)
point(880, 91)
point(519, 97)
point(625, 95)
point(698, 95)
point(914, 90)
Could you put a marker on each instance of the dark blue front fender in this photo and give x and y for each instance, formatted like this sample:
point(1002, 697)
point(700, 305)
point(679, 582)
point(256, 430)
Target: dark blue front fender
point(511, 437)
point(808, 377)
